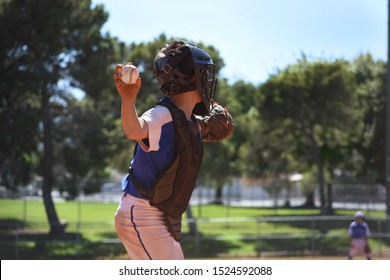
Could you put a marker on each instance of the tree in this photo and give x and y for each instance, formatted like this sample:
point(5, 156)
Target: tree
point(247, 157)
point(19, 106)
point(51, 37)
point(370, 137)
point(80, 148)
point(311, 102)
point(372, 78)
point(387, 122)
point(89, 128)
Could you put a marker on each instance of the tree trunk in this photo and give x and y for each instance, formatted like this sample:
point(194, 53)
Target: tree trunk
point(218, 195)
point(321, 183)
point(287, 204)
point(56, 229)
point(191, 222)
point(329, 209)
point(387, 124)
point(309, 203)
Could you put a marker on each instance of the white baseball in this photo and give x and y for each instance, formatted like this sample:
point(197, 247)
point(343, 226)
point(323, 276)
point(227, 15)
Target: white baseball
point(130, 74)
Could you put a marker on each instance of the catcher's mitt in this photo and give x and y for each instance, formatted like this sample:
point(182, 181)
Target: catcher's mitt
point(217, 125)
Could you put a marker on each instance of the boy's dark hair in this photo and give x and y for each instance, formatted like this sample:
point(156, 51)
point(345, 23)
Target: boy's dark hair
point(178, 48)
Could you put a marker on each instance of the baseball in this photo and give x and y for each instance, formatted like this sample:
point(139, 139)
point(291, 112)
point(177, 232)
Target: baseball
point(130, 74)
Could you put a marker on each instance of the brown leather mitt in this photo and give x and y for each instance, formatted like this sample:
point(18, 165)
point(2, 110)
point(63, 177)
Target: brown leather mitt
point(217, 125)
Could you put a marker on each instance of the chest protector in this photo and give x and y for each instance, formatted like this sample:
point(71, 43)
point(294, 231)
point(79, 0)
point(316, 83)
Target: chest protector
point(173, 189)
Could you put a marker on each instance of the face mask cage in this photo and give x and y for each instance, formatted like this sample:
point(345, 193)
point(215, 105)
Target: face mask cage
point(206, 84)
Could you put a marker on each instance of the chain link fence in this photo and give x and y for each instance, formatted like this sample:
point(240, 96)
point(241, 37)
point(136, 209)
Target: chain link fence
point(226, 237)
point(260, 237)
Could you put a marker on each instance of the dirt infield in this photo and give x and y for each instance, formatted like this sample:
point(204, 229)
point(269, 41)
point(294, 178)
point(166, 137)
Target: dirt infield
point(316, 258)
point(382, 256)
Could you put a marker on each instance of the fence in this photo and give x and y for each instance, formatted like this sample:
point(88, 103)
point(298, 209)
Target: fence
point(312, 236)
point(259, 237)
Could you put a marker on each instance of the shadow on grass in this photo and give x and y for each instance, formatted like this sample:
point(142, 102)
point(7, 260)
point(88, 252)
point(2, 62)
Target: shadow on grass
point(75, 247)
point(301, 246)
point(205, 247)
point(209, 247)
point(17, 241)
point(72, 247)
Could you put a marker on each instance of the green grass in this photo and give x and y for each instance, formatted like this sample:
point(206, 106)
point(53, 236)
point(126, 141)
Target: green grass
point(90, 226)
point(31, 210)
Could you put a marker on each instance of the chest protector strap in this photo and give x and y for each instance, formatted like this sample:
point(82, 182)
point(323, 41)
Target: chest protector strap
point(173, 189)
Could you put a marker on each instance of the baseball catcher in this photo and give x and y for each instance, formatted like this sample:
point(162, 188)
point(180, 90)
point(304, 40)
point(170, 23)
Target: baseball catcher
point(169, 150)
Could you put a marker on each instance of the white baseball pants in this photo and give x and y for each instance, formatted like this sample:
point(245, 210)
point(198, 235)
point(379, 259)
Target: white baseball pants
point(142, 230)
point(357, 247)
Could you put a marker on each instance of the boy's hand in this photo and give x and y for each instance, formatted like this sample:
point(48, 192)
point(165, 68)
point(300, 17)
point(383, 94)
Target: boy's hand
point(126, 90)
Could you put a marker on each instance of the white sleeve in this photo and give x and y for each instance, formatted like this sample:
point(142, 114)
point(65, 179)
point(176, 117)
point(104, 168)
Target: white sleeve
point(155, 117)
point(368, 233)
point(350, 229)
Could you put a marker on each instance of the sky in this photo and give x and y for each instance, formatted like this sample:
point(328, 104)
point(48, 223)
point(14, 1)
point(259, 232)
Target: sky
point(255, 38)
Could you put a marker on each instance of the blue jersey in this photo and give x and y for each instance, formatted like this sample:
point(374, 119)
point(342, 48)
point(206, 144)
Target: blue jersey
point(358, 231)
point(154, 154)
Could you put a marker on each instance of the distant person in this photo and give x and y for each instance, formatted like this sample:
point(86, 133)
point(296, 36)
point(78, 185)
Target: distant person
point(358, 236)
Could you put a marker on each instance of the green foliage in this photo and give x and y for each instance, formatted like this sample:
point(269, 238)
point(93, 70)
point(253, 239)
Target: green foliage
point(309, 103)
point(58, 43)
point(55, 42)
point(370, 139)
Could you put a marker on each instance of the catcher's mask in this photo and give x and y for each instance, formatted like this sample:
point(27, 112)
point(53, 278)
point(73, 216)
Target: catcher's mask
point(191, 68)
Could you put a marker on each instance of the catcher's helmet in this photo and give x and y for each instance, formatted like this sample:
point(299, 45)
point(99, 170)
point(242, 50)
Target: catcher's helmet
point(189, 68)
point(359, 214)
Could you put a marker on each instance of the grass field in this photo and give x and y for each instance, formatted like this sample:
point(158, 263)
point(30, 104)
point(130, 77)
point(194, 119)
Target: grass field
point(223, 232)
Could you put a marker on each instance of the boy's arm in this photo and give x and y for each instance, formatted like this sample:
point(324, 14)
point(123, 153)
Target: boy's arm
point(134, 127)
